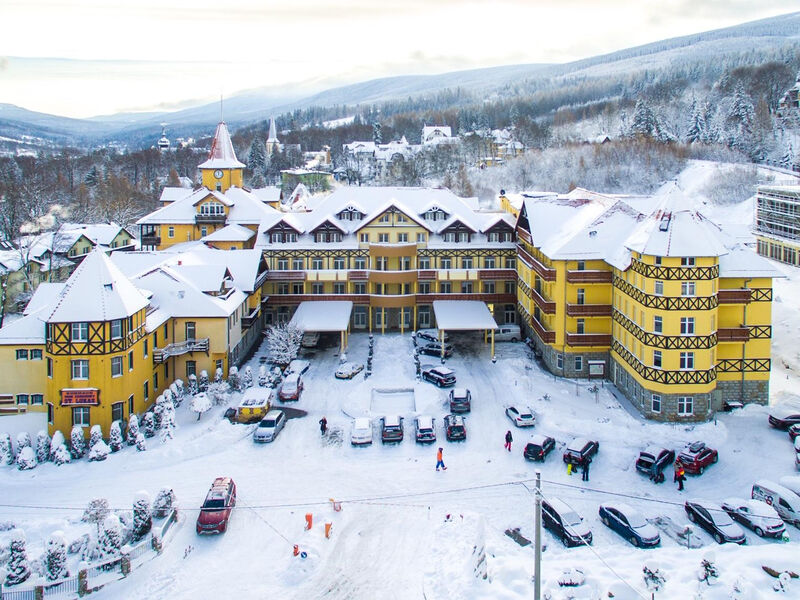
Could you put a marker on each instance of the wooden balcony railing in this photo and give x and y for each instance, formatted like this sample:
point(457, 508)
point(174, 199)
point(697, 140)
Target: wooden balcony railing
point(426, 274)
point(546, 335)
point(588, 339)
point(214, 219)
point(589, 310)
point(741, 296)
point(291, 299)
point(279, 275)
point(150, 240)
point(589, 276)
point(506, 274)
point(544, 272)
point(733, 334)
point(547, 307)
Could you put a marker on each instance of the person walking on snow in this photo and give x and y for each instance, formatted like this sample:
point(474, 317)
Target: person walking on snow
point(439, 461)
point(585, 469)
point(323, 425)
point(680, 475)
point(509, 439)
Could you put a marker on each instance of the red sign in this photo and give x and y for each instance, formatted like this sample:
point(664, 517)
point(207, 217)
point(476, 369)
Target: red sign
point(80, 397)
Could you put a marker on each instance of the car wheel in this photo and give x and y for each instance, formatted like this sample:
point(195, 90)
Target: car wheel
point(634, 541)
point(513, 340)
point(692, 517)
point(719, 539)
point(759, 532)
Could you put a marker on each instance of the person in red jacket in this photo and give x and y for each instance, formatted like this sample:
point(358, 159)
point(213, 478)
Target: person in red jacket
point(439, 461)
point(680, 474)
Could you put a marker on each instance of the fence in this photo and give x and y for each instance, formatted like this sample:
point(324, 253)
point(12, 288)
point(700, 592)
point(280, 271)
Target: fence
point(96, 575)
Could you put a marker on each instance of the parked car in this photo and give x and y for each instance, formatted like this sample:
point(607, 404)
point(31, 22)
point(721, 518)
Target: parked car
point(460, 400)
point(630, 524)
point(797, 454)
point(794, 431)
point(216, 509)
point(653, 461)
point(538, 447)
point(361, 434)
point(425, 430)
point(441, 376)
point(310, 339)
point(298, 366)
point(348, 370)
point(454, 428)
point(291, 388)
point(254, 405)
point(522, 416)
point(731, 405)
point(391, 429)
point(579, 450)
point(696, 457)
point(430, 335)
point(714, 520)
point(565, 523)
point(783, 500)
point(783, 417)
point(756, 515)
point(435, 349)
point(270, 426)
point(509, 332)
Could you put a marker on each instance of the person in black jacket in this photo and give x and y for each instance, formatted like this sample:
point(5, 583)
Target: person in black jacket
point(509, 439)
point(323, 425)
point(585, 469)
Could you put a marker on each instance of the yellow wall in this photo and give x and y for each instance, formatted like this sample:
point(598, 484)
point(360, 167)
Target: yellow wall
point(22, 376)
point(230, 178)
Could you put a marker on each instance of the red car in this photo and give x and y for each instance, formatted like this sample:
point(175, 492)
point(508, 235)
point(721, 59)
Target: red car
point(696, 457)
point(291, 388)
point(216, 509)
point(794, 431)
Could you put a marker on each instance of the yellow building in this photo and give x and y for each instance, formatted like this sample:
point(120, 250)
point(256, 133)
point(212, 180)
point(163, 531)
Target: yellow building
point(655, 302)
point(777, 223)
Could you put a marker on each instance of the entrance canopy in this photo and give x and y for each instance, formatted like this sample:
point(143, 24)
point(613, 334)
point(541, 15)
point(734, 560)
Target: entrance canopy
point(463, 315)
point(323, 316)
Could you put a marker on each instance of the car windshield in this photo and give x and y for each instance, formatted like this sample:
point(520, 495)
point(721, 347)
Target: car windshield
point(267, 423)
point(635, 520)
point(721, 518)
point(214, 504)
point(571, 518)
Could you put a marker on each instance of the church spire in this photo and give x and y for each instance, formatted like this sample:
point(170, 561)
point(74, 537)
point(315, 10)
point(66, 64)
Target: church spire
point(222, 170)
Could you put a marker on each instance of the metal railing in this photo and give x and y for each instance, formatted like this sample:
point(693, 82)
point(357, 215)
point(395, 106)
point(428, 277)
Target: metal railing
point(178, 348)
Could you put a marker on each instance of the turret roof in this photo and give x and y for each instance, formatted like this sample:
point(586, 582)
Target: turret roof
point(222, 155)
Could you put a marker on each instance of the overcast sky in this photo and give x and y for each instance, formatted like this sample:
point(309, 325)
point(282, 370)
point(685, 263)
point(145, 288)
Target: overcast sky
point(157, 54)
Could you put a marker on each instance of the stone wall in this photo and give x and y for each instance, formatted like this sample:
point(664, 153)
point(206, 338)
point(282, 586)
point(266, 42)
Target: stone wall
point(755, 392)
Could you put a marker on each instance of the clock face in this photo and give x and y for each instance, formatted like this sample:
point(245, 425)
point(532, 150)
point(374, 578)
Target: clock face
point(218, 174)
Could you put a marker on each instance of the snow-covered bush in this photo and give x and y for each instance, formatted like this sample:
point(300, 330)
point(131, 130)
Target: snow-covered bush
point(42, 446)
point(247, 378)
point(77, 443)
point(55, 560)
point(234, 381)
point(142, 520)
point(654, 579)
point(141, 444)
point(283, 341)
point(99, 451)
point(133, 430)
point(115, 437)
point(178, 390)
point(26, 459)
point(23, 440)
point(192, 384)
point(148, 424)
point(96, 512)
point(218, 375)
point(202, 381)
point(6, 449)
point(262, 376)
point(167, 423)
point(55, 442)
point(200, 404)
point(95, 435)
point(18, 568)
point(110, 540)
point(162, 505)
point(708, 571)
point(219, 393)
point(59, 454)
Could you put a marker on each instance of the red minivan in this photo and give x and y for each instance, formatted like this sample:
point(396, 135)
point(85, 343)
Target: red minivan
point(216, 509)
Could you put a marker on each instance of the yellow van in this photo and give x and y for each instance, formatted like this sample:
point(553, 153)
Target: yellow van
point(254, 405)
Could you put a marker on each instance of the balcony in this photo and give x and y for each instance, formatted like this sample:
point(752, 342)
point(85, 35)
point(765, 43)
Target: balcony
point(547, 307)
point(212, 219)
point(426, 274)
point(544, 272)
point(286, 275)
point(504, 274)
point(490, 298)
point(160, 355)
point(357, 275)
point(589, 276)
point(588, 339)
point(589, 310)
point(741, 296)
point(546, 335)
point(733, 334)
point(249, 320)
point(292, 299)
point(262, 277)
point(392, 276)
point(150, 240)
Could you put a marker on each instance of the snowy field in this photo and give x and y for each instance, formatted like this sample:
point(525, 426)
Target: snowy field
point(393, 538)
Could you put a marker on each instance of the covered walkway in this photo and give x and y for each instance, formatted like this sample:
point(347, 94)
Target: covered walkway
point(324, 317)
point(464, 315)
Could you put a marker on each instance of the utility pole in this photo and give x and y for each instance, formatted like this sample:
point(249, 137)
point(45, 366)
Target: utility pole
point(537, 568)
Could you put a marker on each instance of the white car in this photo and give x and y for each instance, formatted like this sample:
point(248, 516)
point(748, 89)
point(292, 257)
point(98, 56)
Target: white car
point(298, 366)
point(362, 432)
point(522, 416)
point(756, 515)
point(348, 370)
point(270, 426)
point(310, 339)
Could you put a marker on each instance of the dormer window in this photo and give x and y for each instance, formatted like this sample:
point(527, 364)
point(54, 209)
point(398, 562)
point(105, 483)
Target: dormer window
point(385, 218)
point(449, 237)
point(212, 208)
point(463, 236)
point(494, 236)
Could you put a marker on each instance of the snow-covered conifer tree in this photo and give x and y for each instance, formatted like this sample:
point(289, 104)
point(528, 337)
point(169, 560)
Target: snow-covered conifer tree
point(58, 440)
point(262, 376)
point(247, 378)
point(697, 125)
point(218, 375)
point(133, 430)
point(141, 444)
point(202, 381)
point(115, 437)
point(99, 451)
point(200, 404)
point(42, 446)
point(644, 120)
point(110, 539)
point(23, 440)
point(162, 505)
point(77, 443)
point(18, 568)
point(95, 435)
point(26, 459)
point(6, 449)
point(55, 560)
point(234, 381)
point(142, 520)
point(59, 454)
point(148, 424)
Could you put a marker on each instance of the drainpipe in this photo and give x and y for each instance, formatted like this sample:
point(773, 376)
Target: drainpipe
point(744, 344)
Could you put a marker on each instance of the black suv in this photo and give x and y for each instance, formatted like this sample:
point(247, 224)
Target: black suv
point(460, 400)
point(539, 447)
point(565, 523)
point(441, 376)
point(653, 461)
point(391, 429)
point(454, 428)
point(579, 450)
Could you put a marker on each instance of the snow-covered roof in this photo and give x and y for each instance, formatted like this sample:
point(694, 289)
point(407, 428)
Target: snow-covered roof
point(45, 294)
point(99, 233)
point(171, 194)
point(30, 329)
point(463, 315)
point(222, 155)
point(270, 193)
point(323, 316)
point(245, 208)
point(96, 291)
point(230, 233)
point(744, 262)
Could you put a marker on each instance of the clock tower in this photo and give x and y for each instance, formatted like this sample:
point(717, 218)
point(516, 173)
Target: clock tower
point(221, 171)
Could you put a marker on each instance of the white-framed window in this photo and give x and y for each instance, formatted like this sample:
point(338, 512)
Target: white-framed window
point(466, 287)
point(363, 238)
point(80, 332)
point(51, 411)
point(687, 261)
point(657, 261)
point(493, 236)
point(580, 326)
point(579, 363)
point(116, 366)
point(462, 236)
point(402, 237)
point(687, 325)
point(383, 238)
point(339, 287)
point(385, 218)
point(170, 232)
point(116, 329)
point(687, 360)
point(316, 263)
point(657, 358)
point(80, 416)
point(338, 262)
point(35, 354)
point(360, 262)
point(658, 287)
point(421, 237)
point(559, 361)
point(424, 287)
point(212, 208)
point(488, 262)
point(449, 237)
point(687, 288)
point(297, 264)
point(360, 316)
point(445, 287)
point(22, 354)
point(37, 399)
point(22, 399)
point(80, 369)
point(685, 405)
point(511, 262)
point(488, 287)
point(658, 324)
point(317, 288)
point(445, 263)
point(655, 403)
point(581, 296)
point(283, 264)
point(424, 262)
point(360, 288)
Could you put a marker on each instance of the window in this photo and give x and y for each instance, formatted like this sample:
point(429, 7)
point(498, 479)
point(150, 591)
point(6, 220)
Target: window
point(80, 332)
point(466, 262)
point(405, 263)
point(338, 262)
point(316, 263)
point(22, 354)
point(463, 236)
point(581, 265)
point(282, 288)
point(166, 332)
point(687, 261)
point(383, 238)
point(445, 287)
point(80, 369)
point(37, 399)
point(421, 238)
point(424, 262)
point(146, 387)
point(510, 287)
point(116, 366)
point(581, 296)
point(685, 405)
point(212, 208)
point(22, 399)
point(488, 287)
point(658, 288)
point(360, 316)
point(297, 264)
point(466, 287)
point(155, 380)
point(655, 403)
point(317, 288)
point(580, 325)
point(402, 238)
point(190, 330)
point(493, 236)
point(283, 264)
point(360, 288)
point(687, 360)
point(424, 287)
point(117, 412)
point(382, 263)
point(130, 360)
point(191, 368)
point(360, 262)
point(488, 262)
point(657, 359)
point(511, 262)
point(445, 263)
point(579, 363)
point(687, 325)
point(116, 329)
point(385, 218)
point(50, 368)
point(339, 287)
point(80, 416)
point(50, 412)
point(170, 232)
point(687, 288)
point(144, 348)
point(363, 238)
point(203, 231)
point(297, 288)
point(449, 237)
point(560, 361)
point(657, 261)
point(658, 324)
